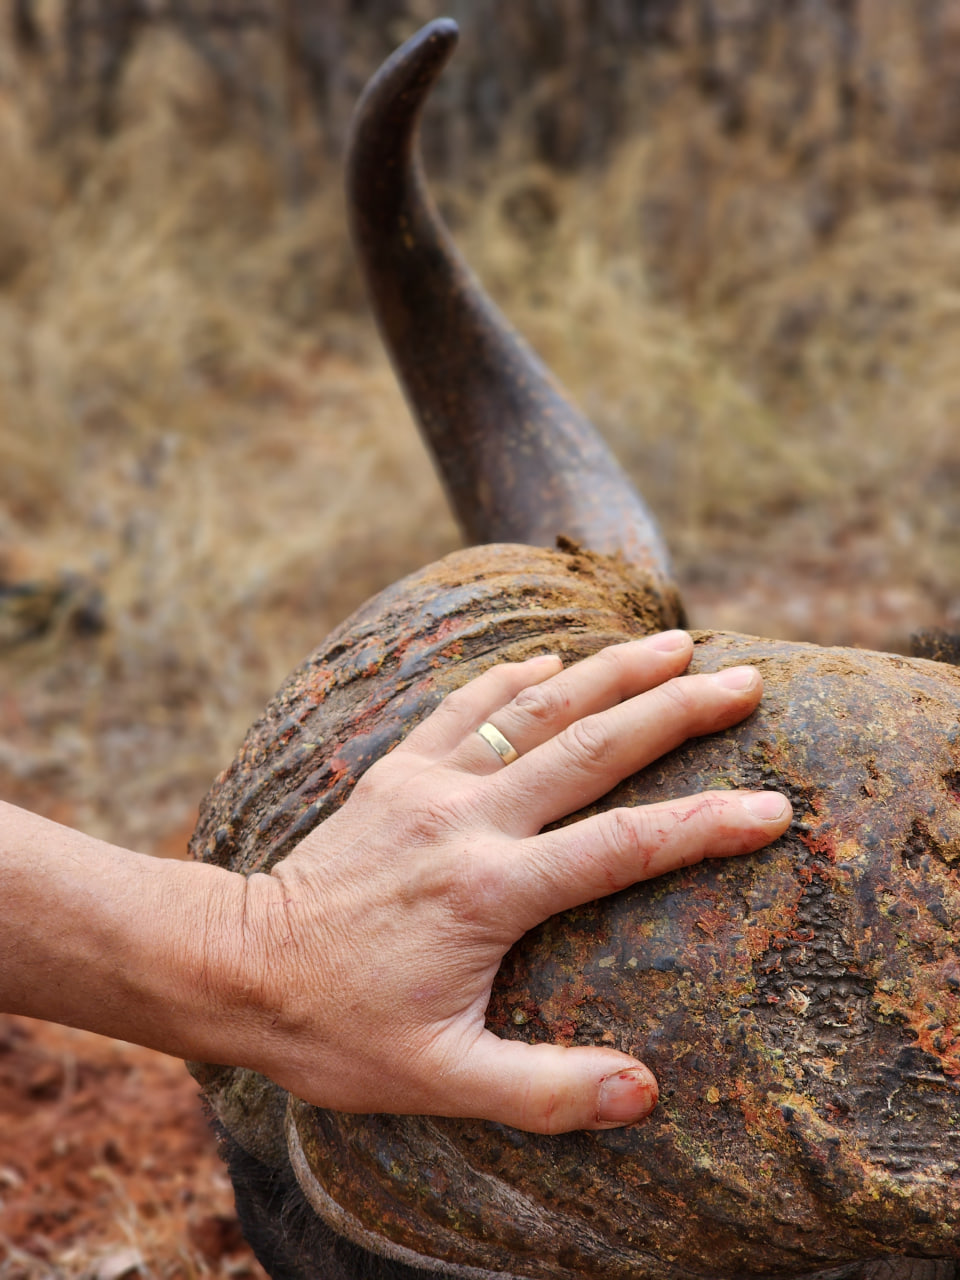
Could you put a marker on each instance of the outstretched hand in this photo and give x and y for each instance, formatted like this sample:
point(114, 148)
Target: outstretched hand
point(357, 973)
point(367, 956)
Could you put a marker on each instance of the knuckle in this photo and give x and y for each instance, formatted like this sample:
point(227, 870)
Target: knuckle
point(615, 658)
point(458, 699)
point(431, 818)
point(629, 834)
point(476, 890)
point(550, 1121)
point(710, 806)
point(542, 703)
point(389, 776)
point(680, 695)
point(503, 677)
point(587, 742)
point(457, 707)
point(376, 782)
point(462, 703)
point(639, 835)
point(716, 815)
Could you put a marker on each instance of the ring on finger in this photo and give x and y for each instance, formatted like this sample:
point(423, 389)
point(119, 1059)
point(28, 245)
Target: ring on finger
point(501, 745)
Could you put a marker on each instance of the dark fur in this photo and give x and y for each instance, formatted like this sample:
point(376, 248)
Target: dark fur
point(290, 1241)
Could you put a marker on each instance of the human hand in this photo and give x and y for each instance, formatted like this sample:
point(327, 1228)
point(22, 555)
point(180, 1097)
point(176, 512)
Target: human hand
point(368, 954)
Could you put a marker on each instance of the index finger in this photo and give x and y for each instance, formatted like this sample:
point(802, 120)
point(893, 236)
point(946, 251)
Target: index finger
point(589, 757)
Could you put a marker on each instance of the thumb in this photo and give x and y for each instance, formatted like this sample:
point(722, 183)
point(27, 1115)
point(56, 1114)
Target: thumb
point(546, 1088)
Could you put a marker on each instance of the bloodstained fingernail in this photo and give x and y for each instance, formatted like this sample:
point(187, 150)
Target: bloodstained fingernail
point(626, 1096)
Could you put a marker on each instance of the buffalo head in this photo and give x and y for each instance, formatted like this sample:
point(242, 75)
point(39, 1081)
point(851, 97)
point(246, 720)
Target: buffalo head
point(817, 981)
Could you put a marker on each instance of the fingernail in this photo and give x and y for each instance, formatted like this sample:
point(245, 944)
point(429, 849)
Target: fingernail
point(768, 806)
point(736, 677)
point(625, 1097)
point(668, 641)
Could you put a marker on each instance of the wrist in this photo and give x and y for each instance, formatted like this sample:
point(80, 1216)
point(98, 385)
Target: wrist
point(113, 941)
point(252, 993)
point(232, 975)
point(189, 966)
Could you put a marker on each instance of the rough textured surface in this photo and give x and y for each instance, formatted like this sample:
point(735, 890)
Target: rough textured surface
point(390, 663)
point(800, 1007)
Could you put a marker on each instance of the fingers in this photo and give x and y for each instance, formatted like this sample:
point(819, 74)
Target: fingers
point(532, 701)
point(546, 1088)
point(593, 754)
point(608, 852)
point(540, 711)
point(460, 712)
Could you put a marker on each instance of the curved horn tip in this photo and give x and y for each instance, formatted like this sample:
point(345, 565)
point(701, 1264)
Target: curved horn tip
point(427, 50)
point(446, 29)
point(384, 125)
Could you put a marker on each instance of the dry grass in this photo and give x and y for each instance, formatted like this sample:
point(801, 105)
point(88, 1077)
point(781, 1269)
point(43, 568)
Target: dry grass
point(222, 472)
point(798, 438)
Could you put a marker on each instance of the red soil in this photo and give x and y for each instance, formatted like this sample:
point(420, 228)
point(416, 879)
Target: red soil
point(107, 1167)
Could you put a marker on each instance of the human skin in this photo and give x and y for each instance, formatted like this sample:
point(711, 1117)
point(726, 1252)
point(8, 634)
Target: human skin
point(357, 972)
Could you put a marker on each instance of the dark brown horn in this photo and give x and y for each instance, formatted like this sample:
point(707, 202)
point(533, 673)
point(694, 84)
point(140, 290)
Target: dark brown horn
point(519, 462)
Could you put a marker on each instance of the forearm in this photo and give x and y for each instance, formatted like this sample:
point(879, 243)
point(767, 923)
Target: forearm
point(141, 948)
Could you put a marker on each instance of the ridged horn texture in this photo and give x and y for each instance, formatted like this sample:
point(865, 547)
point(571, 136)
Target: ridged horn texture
point(800, 1006)
point(519, 462)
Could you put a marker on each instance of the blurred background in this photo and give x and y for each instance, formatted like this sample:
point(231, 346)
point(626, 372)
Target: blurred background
point(732, 227)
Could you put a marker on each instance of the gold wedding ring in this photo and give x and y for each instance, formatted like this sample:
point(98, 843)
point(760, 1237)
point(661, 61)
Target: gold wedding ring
point(501, 745)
